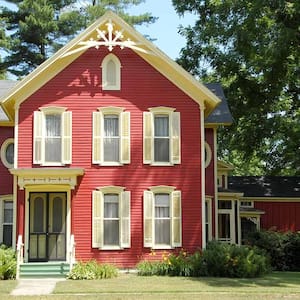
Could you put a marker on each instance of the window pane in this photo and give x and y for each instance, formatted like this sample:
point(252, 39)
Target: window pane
point(111, 138)
point(7, 235)
point(8, 212)
point(224, 226)
point(111, 73)
point(111, 232)
point(111, 219)
point(9, 154)
point(57, 217)
point(223, 204)
point(162, 219)
point(38, 217)
point(53, 138)
point(161, 138)
point(161, 150)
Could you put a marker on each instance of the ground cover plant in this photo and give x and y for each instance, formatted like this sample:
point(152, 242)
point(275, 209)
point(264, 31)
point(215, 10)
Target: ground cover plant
point(8, 263)
point(92, 270)
point(218, 259)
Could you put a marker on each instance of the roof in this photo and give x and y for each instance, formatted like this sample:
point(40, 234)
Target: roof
point(110, 31)
point(266, 186)
point(5, 86)
point(221, 114)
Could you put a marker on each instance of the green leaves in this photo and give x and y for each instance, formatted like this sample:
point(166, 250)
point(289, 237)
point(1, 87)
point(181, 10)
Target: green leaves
point(252, 47)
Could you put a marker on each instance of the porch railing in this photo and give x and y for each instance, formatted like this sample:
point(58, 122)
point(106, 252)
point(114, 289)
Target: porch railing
point(20, 255)
point(72, 251)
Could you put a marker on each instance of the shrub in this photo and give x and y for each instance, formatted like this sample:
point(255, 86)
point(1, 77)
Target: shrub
point(283, 248)
point(218, 259)
point(8, 263)
point(92, 270)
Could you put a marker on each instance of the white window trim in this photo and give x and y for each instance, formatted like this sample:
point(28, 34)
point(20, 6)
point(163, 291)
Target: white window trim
point(4, 146)
point(170, 112)
point(246, 201)
point(47, 111)
point(119, 191)
point(231, 213)
point(120, 112)
point(208, 154)
point(105, 85)
point(162, 189)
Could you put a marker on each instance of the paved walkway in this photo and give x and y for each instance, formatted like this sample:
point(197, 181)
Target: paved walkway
point(43, 286)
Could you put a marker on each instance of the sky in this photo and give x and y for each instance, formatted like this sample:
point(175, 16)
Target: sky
point(165, 29)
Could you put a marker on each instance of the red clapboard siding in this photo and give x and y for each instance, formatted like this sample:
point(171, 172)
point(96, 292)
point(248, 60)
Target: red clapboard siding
point(6, 179)
point(280, 215)
point(78, 89)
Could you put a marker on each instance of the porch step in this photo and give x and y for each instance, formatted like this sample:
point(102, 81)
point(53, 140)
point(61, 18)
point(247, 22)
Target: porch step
point(44, 270)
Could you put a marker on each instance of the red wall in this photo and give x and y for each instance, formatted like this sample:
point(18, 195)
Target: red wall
point(283, 216)
point(6, 179)
point(78, 88)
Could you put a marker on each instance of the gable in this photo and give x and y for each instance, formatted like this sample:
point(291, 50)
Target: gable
point(110, 31)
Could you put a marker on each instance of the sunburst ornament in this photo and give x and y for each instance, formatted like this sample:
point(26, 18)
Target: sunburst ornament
point(109, 38)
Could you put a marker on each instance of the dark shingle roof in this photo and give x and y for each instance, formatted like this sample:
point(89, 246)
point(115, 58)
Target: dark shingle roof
point(5, 86)
point(266, 186)
point(221, 114)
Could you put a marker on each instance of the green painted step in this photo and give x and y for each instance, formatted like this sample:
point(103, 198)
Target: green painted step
point(51, 270)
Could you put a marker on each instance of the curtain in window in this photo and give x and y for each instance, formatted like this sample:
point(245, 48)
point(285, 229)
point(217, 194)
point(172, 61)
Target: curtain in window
point(111, 219)
point(53, 138)
point(161, 138)
point(111, 75)
point(162, 219)
point(111, 138)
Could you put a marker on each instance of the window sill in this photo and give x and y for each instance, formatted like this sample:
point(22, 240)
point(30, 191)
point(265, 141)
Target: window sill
point(111, 248)
point(162, 247)
point(52, 164)
point(111, 164)
point(166, 164)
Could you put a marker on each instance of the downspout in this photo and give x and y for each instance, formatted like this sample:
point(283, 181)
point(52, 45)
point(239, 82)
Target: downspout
point(15, 177)
point(216, 183)
point(202, 159)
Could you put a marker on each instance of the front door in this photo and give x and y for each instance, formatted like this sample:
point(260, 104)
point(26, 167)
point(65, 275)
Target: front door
point(47, 226)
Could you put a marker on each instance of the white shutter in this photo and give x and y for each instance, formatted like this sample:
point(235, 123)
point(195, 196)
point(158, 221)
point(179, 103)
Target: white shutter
point(125, 137)
point(176, 219)
point(148, 219)
point(37, 137)
point(97, 221)
point(125, 219)
point(148, 134)
point(175, 156)
point(97, 137)
point(67, 137)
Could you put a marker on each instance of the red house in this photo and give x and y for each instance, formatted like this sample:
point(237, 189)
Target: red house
point(114, 154)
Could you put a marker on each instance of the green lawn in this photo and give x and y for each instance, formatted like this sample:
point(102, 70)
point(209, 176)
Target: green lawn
point(275, 286)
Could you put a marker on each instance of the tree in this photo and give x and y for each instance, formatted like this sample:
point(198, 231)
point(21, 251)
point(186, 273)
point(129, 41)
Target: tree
point(252, 47)
point(38, 28)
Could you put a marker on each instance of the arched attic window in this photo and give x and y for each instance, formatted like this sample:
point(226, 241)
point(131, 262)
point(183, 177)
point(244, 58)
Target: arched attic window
point(111, 73)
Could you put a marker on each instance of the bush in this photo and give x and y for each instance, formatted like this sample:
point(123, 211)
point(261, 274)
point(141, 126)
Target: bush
point(218, 259)
point(283, 248)
point(92, 270)
point(8, 263)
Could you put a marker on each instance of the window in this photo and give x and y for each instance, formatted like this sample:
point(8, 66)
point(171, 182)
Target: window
point(111, 136)
point(247, 204)
point(111, 218)
point(208, 220)
point(52, 136)
point(7, 153)
point(161, 136)
point(226, 223)
point(6, 221)
point(162, 217)
point(111, 73)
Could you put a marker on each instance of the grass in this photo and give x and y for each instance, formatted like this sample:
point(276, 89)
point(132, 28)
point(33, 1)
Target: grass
point(277, 285)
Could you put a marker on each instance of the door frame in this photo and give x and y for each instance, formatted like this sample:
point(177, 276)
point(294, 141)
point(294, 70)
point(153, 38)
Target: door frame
point(47, 189)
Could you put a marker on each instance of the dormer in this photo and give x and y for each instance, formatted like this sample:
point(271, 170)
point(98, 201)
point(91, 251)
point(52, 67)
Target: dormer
point(223, 170)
